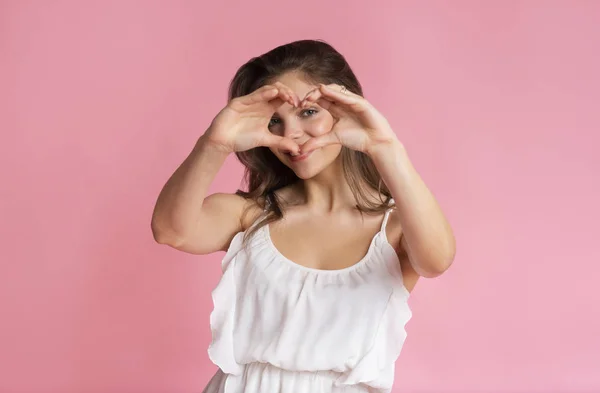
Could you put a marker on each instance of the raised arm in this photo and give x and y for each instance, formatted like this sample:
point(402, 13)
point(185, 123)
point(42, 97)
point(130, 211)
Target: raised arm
point(184, 216)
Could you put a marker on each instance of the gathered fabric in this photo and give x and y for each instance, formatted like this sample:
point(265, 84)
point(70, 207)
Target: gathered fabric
point(280, 327)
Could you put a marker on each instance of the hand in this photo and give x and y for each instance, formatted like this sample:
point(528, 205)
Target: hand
point(243, 124)
point(357, 124)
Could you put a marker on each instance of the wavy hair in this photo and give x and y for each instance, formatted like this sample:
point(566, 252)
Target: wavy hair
point(264, 173)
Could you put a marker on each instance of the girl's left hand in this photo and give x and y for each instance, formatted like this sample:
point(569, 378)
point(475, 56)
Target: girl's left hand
point(357, 124)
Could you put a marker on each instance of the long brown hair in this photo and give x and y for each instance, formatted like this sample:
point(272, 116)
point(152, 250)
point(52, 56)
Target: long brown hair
point(318, 62)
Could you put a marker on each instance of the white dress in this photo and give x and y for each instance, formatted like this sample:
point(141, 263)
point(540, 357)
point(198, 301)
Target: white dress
point(280, 327)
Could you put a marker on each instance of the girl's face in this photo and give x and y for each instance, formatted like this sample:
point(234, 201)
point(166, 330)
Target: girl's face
point(300, 125)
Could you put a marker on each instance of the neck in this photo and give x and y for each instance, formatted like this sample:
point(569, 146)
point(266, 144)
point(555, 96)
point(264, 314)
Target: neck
point(328, 191)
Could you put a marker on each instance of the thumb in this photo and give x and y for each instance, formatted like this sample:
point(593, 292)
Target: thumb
point(282, 143)
point(320, 141)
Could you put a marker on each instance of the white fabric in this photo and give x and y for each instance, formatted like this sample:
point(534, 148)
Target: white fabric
point(280, 327)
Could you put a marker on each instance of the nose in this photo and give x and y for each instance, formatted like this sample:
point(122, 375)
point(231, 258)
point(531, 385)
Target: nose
point(292, 130)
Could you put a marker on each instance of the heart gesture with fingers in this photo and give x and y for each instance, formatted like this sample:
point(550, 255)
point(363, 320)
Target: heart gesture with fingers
point(357, 124)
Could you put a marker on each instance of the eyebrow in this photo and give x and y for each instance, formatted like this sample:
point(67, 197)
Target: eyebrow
point(294, 109)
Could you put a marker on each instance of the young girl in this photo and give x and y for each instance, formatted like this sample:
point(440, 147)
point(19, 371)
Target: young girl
point(326, 244)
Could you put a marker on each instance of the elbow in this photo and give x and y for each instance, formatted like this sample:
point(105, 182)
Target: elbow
point(433, 265)
point(159, 235)
point(436, 269)
point(164, 236)
point(440, 261)
point(161, 238)
point(431, 259)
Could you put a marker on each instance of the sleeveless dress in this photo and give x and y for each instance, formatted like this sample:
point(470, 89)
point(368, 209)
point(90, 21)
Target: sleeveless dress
point(280, 327)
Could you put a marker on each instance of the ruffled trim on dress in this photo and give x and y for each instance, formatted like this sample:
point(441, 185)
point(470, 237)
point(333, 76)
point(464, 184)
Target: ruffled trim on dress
point(220, 350)
point(277, 265)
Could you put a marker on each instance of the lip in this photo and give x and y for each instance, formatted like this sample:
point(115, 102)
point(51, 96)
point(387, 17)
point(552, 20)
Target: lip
point(301, 157)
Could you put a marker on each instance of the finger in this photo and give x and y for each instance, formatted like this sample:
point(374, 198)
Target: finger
point(267, 93)
point(288, 97)
point(333, 92)
point(320, 141)
point(316, 97)
point(341, 89)
point(264, 93)
point(295, 98)
point(283, 94)
point(327, 103)
point(292, 96)
point(318, 94)
point(282, 143)
point(311, 96)
point(276, 102)
point(348, 101)
point(336, 111)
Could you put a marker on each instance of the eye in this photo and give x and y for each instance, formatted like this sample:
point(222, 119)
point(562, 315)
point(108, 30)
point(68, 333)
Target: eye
point(274, 121)
point(309, 112)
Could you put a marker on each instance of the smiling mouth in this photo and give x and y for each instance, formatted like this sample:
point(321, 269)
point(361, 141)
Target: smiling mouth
point(301, 157)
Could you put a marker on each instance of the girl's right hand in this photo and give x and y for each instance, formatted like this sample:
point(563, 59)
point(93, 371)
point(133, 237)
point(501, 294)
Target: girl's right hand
point(244, 123)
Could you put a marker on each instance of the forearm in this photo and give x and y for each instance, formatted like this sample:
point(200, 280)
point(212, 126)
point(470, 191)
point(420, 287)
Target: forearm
point(427, 235)
point(179, 203)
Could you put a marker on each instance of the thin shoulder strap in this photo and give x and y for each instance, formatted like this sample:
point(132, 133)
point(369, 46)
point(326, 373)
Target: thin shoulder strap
point(387, 214)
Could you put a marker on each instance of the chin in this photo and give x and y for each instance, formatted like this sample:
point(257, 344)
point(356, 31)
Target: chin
point(306, 174)
point(309, 170)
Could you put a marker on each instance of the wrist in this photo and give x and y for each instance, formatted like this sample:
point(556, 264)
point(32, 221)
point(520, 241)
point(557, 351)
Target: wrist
point(385, 148)
point(207, 144)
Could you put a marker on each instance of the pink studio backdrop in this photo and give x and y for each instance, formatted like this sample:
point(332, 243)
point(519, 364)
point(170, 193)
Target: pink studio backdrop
point(497, 101)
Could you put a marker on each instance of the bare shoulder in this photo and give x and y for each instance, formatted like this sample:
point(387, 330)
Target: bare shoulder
point(214, 228)
point(244, 210)
point(394, 234)
point(228, 204)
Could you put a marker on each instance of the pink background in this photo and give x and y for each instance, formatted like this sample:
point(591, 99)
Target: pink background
point(497, 101)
